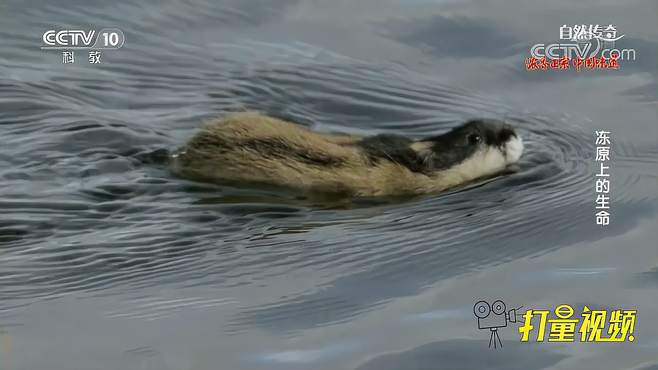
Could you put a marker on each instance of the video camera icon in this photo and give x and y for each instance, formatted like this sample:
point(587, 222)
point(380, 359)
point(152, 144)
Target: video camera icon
point(494, 317)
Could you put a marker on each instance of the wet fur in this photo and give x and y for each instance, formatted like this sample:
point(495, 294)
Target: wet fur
point(253, 148)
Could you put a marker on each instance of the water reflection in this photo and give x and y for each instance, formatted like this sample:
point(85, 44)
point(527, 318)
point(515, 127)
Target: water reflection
point(466, 354)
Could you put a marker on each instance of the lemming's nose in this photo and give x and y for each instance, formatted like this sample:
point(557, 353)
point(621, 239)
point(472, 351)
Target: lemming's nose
point(506, 132)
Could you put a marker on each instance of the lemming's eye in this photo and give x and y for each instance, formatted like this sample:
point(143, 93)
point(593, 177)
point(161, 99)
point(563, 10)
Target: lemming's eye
point(474, 139)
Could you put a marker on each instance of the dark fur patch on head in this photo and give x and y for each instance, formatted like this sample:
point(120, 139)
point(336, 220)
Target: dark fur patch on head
point(394, 148)
point(494, 132)
point(461, 142)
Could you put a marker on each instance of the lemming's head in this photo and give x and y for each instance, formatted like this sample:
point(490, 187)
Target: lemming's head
point(476, 148)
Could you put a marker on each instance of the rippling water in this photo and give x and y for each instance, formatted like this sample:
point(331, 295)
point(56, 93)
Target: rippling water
point(108, 261)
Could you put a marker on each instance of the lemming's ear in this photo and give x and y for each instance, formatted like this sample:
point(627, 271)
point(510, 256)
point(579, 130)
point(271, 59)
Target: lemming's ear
point(421, 147)
point(424, 151)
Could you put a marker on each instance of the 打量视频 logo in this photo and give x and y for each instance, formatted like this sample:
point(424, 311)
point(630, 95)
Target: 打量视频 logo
point(560, 324)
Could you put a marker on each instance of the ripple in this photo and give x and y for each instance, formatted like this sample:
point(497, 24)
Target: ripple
point(150, 309)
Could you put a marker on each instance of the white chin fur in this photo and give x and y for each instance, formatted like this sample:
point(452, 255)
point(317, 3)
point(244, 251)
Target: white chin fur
point(486, 161)
point(513, 149)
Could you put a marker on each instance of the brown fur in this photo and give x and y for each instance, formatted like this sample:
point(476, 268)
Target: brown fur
point(250, 147)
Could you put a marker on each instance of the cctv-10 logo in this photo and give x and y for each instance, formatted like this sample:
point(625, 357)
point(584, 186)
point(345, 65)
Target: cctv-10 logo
point(106, 38)
point(538, 325)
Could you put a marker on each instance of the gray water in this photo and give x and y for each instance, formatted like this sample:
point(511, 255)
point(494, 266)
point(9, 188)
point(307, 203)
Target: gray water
point(107, 261)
